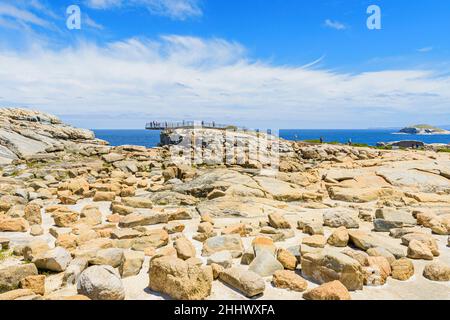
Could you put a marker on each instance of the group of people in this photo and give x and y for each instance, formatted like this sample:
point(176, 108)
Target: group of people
point(155, 124)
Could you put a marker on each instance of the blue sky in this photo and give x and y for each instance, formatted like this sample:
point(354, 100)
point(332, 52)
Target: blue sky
point(273, 63)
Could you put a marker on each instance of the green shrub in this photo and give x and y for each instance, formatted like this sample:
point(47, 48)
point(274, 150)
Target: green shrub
point(312, 141)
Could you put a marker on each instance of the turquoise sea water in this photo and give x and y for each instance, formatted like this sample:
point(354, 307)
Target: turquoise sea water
point(371, 136)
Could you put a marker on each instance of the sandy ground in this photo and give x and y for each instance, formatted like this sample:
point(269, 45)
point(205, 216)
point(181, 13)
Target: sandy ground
point(417, 287)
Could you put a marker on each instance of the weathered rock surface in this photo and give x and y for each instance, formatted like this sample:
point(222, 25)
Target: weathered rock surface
point(333, 290)
point(56, 259)
point(180, 279)
point(363, 215)
point(247, 282)
point(331, 265)
point(437, 272)
point(101, 283)
point(285, 279)
point(10, 277)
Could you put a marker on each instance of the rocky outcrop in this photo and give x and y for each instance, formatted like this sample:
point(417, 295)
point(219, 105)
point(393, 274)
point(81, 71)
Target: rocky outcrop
point(90, 218)
point(26, 134)
point(423, 129)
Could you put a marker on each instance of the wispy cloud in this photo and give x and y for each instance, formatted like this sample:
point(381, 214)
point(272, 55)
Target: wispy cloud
point(103, 4)
point(425, 49)
point(175, 9)
point(28, 16)
point(213, 78)
point(335, 24)
point(87, 20)
point(20, 16)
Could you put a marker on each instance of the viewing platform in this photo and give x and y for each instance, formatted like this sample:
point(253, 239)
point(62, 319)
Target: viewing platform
point(162, 126)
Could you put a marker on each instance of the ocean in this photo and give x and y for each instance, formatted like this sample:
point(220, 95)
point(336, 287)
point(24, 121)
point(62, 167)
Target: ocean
point(371, 137)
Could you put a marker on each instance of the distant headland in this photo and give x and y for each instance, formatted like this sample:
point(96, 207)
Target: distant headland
point(422, 129)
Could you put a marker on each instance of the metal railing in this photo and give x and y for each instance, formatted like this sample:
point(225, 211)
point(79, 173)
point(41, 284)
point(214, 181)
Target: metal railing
point(156, 125)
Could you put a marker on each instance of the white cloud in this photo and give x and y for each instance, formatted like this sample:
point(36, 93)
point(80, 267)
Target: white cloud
point(175, 9)
point(335, 25)
point(103, 4)
point(184, 77)
point(424, 50)
point(21, 16)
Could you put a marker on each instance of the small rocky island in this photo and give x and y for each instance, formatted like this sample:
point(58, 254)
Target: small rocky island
point(82, 220)
point(422, 129)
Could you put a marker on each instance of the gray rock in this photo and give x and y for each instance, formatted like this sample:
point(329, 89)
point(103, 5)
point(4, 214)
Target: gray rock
point(339, 218)
point(223, 258)
point(101, 283)
point(111, 256)
point(232, 243)
point(265, 264)
point(381, 225)
point(396, 217)
point(56, 259)
point(313, 227)
point(365, 241)
point(247, 282)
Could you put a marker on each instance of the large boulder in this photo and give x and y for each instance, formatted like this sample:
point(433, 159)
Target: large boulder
point(359, 195)
point(232, 243)
point(429, 243)
point(340, 218)
point(136, 202)
point(56, 260)
point(152, 238)
point(65, 218)
point(34, 248)
point(35, 283)
point(10, 276)
point(330, 265)
point(285, 279)
point(111, 256)
point(365, 241)
point(265, 264)
point(339, 237)
point(277, 221)
point(437, 271)
point(280, 190)
point(131, 263)
point(101, 283)
point(8, 224)
point(143, 219)
point(32, 213)
point(387, 219)
point(419, 250)
point(179, 279)
point(402, 269)
point(247, 282)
